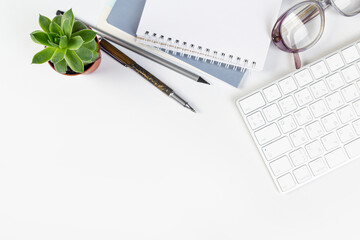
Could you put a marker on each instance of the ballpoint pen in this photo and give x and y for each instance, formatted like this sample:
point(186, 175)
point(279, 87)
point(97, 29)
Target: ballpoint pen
point(143, 52)
point(128, 62)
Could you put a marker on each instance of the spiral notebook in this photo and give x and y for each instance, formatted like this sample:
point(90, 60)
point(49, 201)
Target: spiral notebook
point(235, 33)
point(121, 18)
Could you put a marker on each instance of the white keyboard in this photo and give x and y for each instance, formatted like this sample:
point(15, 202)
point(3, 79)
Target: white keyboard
point(308, 123)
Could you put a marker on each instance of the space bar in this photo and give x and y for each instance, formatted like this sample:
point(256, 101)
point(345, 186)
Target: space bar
point(353, 148)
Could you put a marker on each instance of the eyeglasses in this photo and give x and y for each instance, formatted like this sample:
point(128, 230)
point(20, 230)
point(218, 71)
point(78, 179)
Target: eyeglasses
point(301, 27)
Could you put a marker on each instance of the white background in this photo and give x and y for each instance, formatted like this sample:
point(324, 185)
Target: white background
point(108, 156)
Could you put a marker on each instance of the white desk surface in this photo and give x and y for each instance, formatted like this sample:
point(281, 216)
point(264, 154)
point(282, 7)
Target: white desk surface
point(108, 156)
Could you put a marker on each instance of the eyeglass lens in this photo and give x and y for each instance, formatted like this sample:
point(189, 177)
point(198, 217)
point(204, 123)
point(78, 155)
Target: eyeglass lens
point(349, 7)
point(302, 26)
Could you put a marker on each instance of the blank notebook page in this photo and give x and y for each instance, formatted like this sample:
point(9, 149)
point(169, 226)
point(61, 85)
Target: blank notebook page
point(241, 28)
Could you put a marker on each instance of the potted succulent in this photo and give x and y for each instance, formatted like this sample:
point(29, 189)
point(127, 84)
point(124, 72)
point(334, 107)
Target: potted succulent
point(71, 48)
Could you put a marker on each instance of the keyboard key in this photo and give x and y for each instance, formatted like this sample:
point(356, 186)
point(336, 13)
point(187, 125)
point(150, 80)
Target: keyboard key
point(287, 85)
point(318, 166)
point(330, 141)
point(350, 93)
point(346, 114)
point(286, 182)
point(336, 158)
point(356, 126)
point(272, 93)
point(352, 149)
point(271, 112)
point(319, 89)
point(334, 100)
point(319, 108)
point(350, 73)
point(267, 134)
point(346, 133)
point(303, 97)
point(314, 130)
point(351, 54)
point(335, 81)
point(287, 124)
point(314, 149)
point(330, 122)
point(302, 174)
point(303, 77)
point(298, 157)
point(299, 137)
point(280, 166)
point(319, 70)
point(335, 62)
point(287, 104)
point(303, 116)
point(357, 107)
point(252, 103)
point(256, 120)
point(277, 148)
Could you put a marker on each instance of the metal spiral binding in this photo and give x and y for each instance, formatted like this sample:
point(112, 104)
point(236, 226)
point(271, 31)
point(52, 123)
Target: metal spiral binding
point(185, 49)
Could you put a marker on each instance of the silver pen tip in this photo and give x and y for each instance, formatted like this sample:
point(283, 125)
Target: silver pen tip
point(189, 107)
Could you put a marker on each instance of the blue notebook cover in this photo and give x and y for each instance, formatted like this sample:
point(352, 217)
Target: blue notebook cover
point(125, 15)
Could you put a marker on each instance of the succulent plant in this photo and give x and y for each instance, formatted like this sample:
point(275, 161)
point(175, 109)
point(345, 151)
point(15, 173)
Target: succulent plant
point(68, 43)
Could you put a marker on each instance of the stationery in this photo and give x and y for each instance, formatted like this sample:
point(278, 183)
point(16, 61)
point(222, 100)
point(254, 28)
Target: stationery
point(128, 62)
point(231, 32)
point(121, 19)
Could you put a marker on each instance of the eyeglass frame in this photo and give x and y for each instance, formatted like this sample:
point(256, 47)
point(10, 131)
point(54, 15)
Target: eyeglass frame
point(278, 40)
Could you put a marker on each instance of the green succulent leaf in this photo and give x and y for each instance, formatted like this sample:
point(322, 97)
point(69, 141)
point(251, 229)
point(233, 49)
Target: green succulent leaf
point(40, 37)
point(68, 15)
point(44, 23)
point(55, 28)
point(58, 56)
point(74, 61)
point(91, 45)
point(63, 41)
point(93, 59)
point(57, 19)
point(53, 44)
point(87, 35)
point(67, 28)
point(78, 26)
point(84, 53)
point(61, 66)
point(44, 55)
point(52, 36)
point(75, 43)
